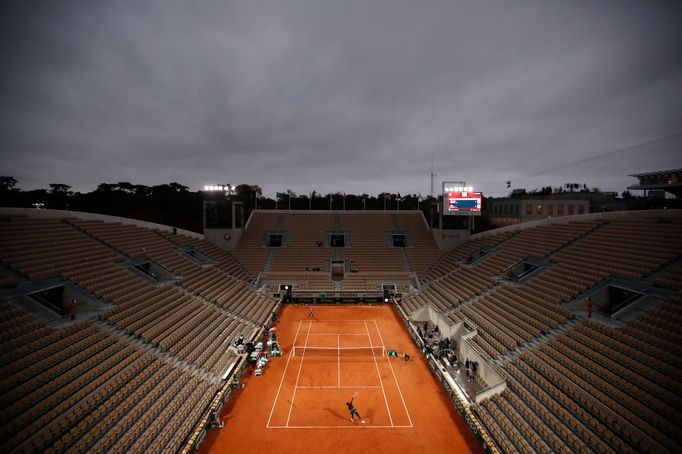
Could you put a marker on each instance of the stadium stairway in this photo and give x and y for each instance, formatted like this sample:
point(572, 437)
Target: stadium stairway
point(241, 267)
point(227, 312)
point(109, 246)
point(596, 227)
point(268, 260)
point(632, 428)
point(653, 297)
point(488, 289)
point(164, 355)
point(472, 300)
point(272, 251)
point(445, 254)
point(280, 222)
point(89, 305)
point(651, 278)
point(406, 261)
point(69, 413)
point(394, 222)
point(536, 341)
point(403, 253)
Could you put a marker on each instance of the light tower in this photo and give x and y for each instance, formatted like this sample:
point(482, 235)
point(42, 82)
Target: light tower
point(230, 191)
point(433, 180)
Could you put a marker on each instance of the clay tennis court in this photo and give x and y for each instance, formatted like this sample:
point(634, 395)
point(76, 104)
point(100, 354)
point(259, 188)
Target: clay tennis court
point(298, 404)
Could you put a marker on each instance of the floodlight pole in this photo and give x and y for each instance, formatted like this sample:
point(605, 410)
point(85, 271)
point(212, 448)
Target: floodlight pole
point(229, 192)
point(203, 213)
point(439, 207)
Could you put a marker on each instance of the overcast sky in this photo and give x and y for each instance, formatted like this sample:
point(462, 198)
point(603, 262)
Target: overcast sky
point(353, 96)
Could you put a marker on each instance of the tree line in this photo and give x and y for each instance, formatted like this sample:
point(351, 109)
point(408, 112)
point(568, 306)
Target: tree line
point(174, 204)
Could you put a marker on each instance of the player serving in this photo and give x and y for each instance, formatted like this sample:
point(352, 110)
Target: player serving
point(353, 410)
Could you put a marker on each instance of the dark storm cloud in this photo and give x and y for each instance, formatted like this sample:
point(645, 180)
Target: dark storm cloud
point(326, 96)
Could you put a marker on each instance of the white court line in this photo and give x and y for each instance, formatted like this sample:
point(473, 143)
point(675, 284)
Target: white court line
point(394, 377)
point(364, 426)
point(283, 375)
point(339, 334)
point(338, 387)
point(376, 364)
point(338, 356)
point(359, 426)
point(300, 366)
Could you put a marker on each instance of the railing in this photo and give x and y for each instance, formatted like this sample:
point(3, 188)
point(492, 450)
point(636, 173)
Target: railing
point(450, 387)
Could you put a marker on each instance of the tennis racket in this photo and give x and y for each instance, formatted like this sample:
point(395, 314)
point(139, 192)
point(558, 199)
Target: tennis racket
point(355, 394)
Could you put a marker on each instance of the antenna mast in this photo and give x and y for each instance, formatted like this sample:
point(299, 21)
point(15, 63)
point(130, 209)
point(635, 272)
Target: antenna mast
point(433, 179)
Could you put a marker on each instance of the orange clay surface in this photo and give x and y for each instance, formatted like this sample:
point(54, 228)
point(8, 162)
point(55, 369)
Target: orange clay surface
point(298, 404)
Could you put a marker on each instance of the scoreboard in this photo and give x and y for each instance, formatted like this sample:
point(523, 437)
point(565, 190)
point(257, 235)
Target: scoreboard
point(460, 200)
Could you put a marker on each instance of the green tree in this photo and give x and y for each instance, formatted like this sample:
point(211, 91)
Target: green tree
point(60, 189)
point(7, 183)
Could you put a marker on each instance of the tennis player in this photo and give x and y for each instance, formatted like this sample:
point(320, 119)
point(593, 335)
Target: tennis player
point(353, 410)
point(311, 313)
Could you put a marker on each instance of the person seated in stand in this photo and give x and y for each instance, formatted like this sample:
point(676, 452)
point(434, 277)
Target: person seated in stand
point(407, 357)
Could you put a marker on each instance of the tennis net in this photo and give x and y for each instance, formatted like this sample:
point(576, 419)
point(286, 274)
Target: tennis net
point(369, 351)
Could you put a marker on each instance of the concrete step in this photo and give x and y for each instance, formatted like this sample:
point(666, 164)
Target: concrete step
point(164, 355)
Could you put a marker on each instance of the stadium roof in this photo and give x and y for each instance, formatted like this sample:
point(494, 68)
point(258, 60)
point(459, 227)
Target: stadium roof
point(668, 180)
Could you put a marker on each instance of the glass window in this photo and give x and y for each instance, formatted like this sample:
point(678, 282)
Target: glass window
point(529, 209)
point(581, 209)
point(571, 209)
point(560, 209)
point(550, 209)
point(540, 209)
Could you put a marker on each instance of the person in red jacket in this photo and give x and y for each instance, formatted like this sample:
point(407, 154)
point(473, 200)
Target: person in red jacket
point(72, 310)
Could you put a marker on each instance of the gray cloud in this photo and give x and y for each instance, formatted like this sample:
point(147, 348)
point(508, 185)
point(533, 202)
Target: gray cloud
point(326, 96)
